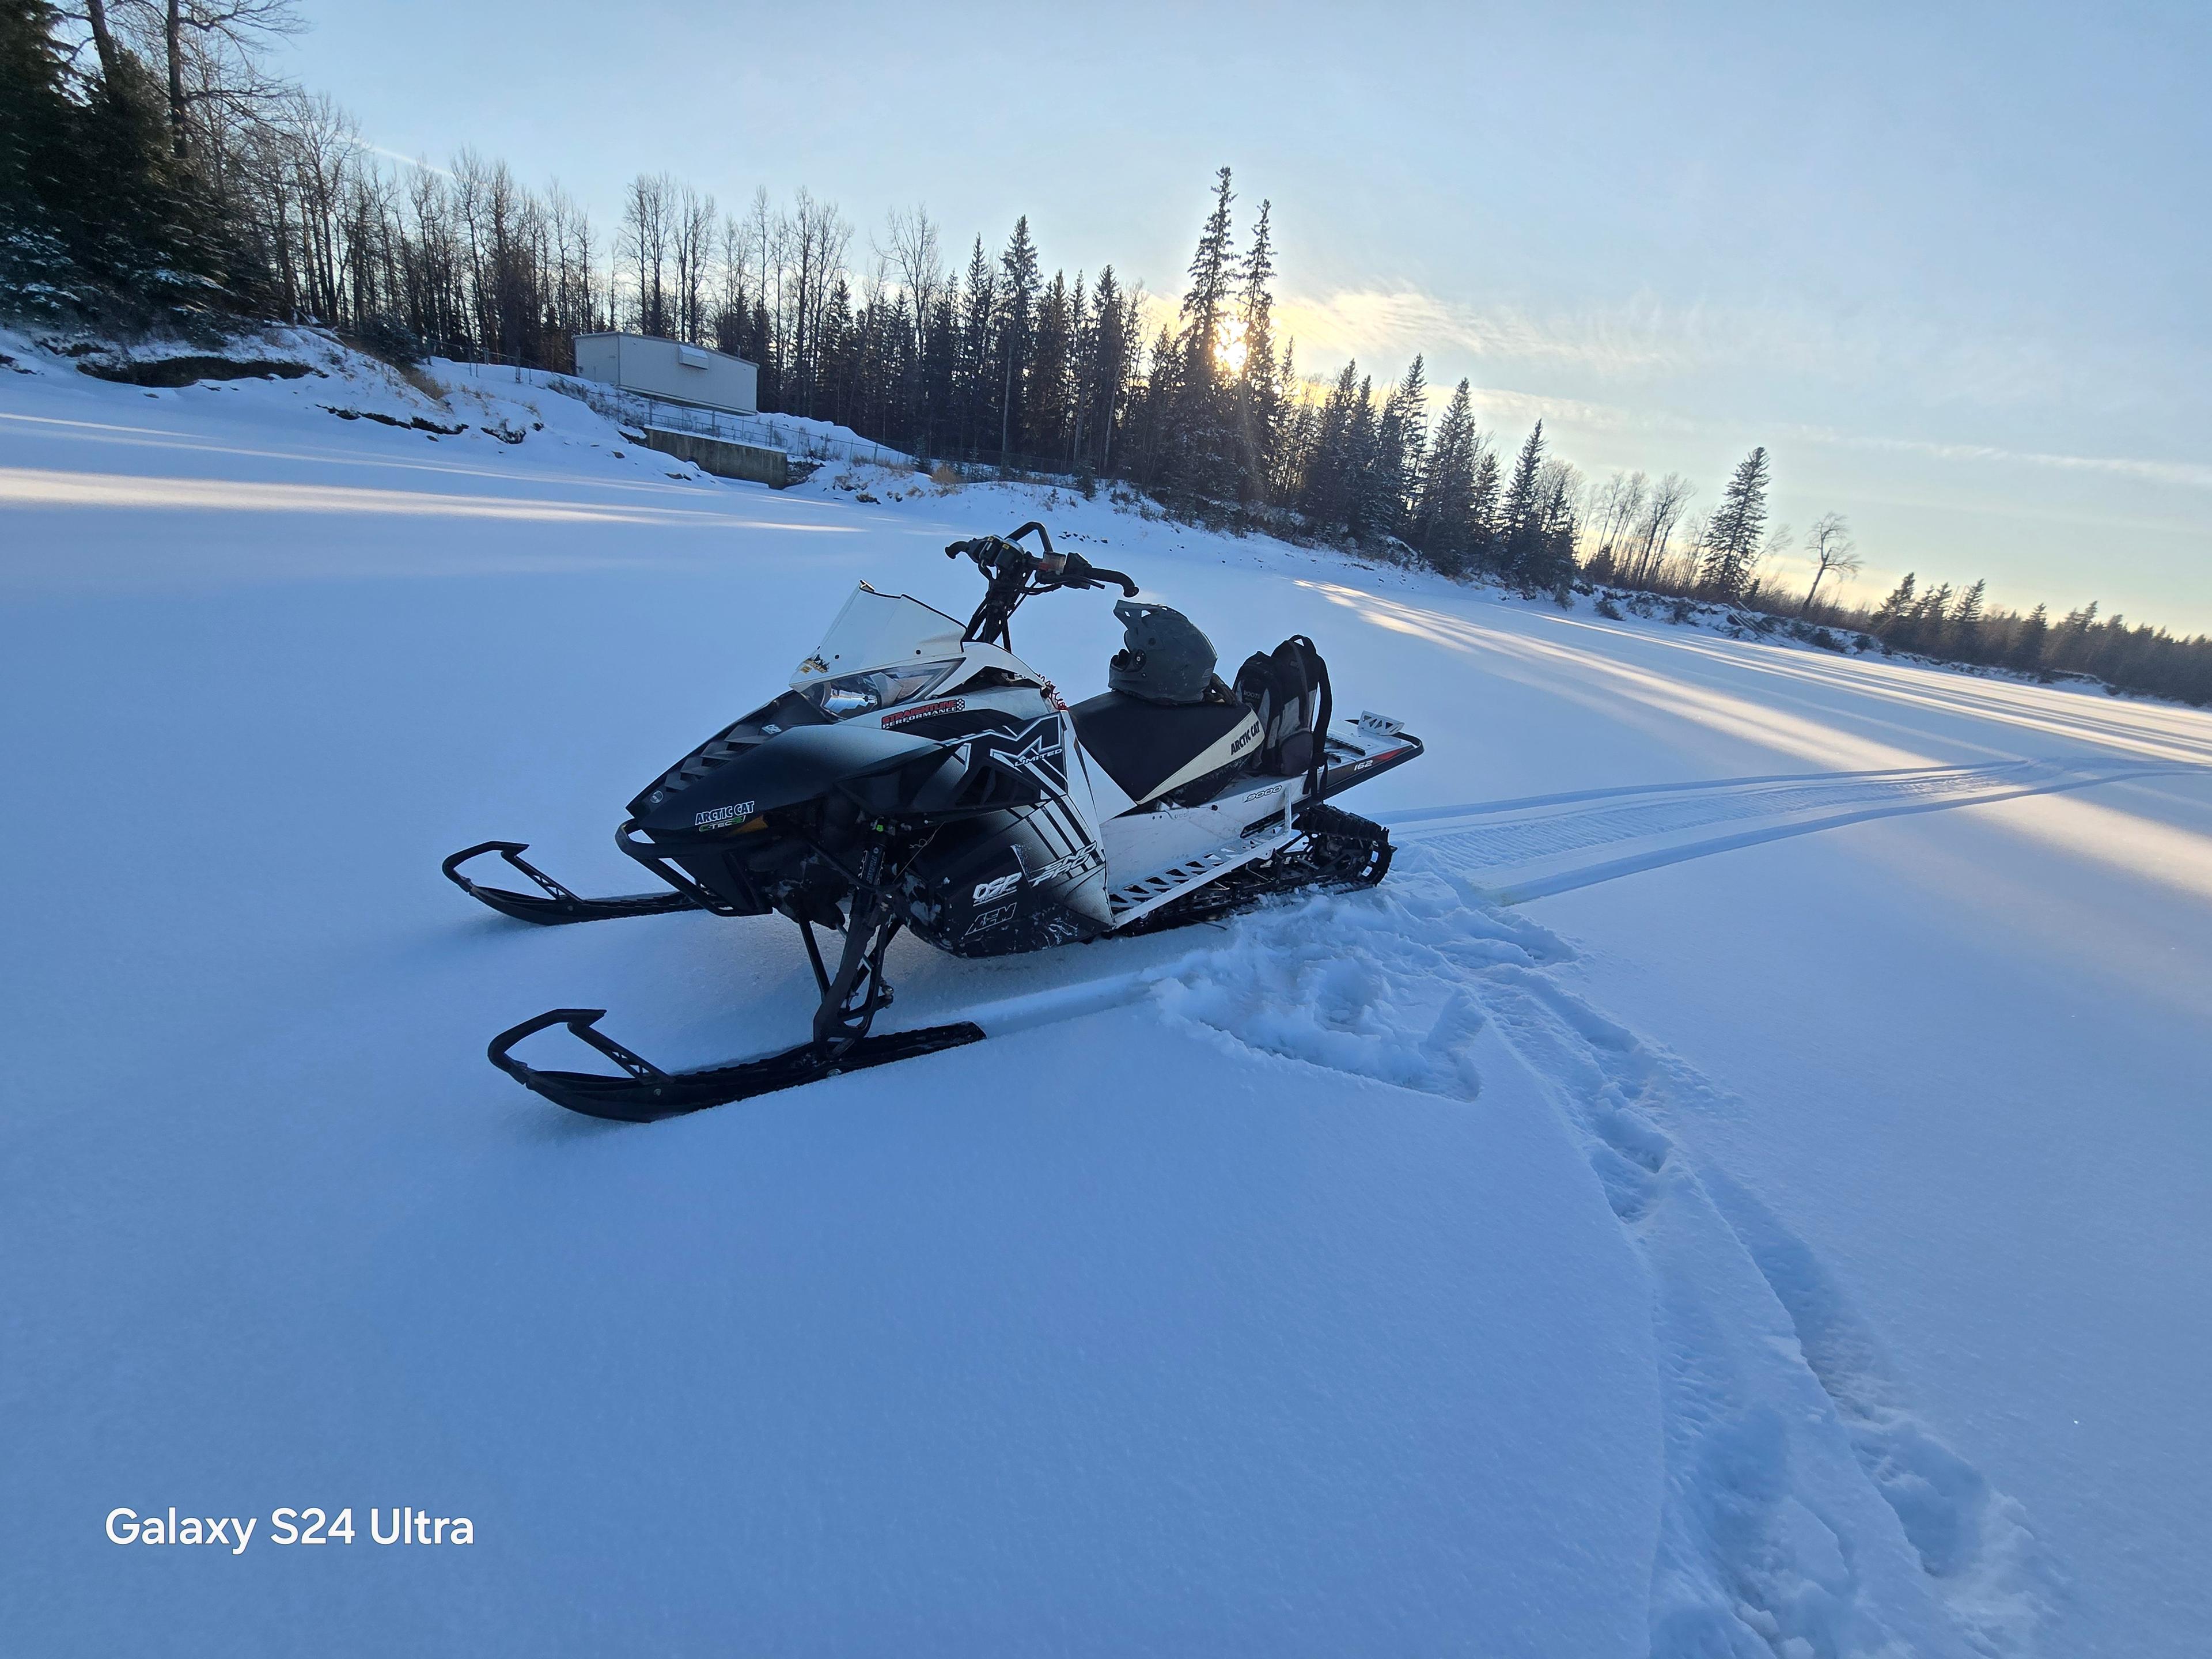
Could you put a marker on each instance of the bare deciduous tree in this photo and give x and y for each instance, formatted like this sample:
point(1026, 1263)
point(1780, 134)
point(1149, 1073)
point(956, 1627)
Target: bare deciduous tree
point(647, 231)
point(1829, 541)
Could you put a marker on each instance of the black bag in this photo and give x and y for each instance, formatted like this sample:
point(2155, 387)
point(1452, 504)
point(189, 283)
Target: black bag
point(1284, 688)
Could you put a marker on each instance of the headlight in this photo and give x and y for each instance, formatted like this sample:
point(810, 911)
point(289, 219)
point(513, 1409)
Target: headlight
point(879, 688)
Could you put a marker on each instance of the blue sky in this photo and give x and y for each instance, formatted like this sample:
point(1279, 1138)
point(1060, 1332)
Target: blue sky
point(1950, 269)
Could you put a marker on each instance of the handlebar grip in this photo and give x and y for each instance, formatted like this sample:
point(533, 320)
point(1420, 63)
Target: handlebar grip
point(1128, 588)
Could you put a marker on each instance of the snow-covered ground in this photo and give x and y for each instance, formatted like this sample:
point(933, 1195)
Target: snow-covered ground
point(1737, 1188)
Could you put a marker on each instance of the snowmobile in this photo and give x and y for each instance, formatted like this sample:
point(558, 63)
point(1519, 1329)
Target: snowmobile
point(918, 774)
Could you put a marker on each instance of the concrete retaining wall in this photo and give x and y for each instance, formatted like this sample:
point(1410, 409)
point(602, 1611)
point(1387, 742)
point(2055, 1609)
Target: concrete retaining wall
point(723, 458)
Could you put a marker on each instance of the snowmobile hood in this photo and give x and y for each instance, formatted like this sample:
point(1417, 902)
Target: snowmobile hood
point(880, 630)
point(791, 767)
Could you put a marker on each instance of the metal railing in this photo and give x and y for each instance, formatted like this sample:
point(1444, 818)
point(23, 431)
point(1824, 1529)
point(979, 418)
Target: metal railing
point(637, 408)
point(800, 442)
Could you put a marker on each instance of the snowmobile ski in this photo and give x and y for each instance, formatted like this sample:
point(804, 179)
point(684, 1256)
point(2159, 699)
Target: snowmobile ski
point(557, 904)
point(646, 1094)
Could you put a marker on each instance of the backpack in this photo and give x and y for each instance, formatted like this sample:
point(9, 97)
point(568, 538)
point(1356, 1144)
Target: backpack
point(1287, 688)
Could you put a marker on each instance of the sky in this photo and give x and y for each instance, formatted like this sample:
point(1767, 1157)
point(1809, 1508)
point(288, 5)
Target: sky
point(1948, 264)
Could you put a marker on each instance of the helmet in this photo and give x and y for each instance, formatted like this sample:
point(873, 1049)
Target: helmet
point(1164, 659)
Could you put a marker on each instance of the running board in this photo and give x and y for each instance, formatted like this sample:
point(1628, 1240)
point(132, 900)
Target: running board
point(1141, 898)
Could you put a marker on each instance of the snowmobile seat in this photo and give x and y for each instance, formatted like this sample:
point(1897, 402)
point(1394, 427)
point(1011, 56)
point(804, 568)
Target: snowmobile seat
point(1147, 746)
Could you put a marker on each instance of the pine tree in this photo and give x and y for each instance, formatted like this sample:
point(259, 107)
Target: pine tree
point(1484, 511)
point(37, 147)
point(1897, 604)
point(1203, 459)
point(1367, 513)
point(939, 372)
point(97, 216)
point(1016, 328)
point(1966, 622)
point(1326, 496)
point(1521, 494)
point(1049, 378)
point(2028, 645)
point(1113, 360)
point(1443, 511)
point(978, 412)
point(1401, 438)
point(1260, 378)
point(1521, 527)
point(1734, 534)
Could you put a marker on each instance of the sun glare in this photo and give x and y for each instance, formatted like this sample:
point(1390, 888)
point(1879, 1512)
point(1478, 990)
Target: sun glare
point(1230, 345)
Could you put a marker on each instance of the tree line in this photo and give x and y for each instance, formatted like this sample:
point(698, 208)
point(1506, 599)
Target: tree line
point(151, 172)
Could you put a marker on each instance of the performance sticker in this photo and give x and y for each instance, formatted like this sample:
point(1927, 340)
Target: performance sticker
point(1079, 862)
point(997, 887)
point(994, 918)
point(1035, 752)
point(743, 809)
point(923, 711)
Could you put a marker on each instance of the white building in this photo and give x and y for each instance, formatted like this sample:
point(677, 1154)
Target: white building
point(668, 368)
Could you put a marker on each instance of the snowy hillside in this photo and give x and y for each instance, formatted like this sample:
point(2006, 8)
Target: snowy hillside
point(1736, 1188)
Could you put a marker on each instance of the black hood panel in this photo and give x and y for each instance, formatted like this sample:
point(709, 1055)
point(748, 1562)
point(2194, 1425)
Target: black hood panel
point(791, 767)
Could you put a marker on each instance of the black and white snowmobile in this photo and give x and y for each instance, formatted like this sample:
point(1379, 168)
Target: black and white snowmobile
point(919, 774)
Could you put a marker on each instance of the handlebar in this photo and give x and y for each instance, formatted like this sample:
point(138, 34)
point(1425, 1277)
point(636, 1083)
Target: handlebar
point(998, 556)
point(1015, 574)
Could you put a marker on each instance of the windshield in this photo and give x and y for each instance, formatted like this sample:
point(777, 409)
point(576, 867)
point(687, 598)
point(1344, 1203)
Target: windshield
point(880, 631)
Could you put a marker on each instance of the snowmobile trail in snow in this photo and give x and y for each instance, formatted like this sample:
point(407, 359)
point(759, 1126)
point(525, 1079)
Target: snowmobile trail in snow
point(1807, 1508)
point(1525, 849)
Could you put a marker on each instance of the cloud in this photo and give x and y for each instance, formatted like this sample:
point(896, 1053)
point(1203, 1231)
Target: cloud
point(415, 161)
point(1883, 350)
point(2189, 475)
point(1372, 323)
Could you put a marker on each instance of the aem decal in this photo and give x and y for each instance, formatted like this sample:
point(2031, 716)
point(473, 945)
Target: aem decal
point(998, 917)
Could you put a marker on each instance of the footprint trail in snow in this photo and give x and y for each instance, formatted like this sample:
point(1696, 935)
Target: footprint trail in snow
point(1807, 1510)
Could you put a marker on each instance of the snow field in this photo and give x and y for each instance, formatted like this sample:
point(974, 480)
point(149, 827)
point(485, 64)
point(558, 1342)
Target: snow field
point(1711, 1253)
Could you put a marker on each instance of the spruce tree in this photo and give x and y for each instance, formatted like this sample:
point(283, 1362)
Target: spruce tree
point(97, 216)
point(2027, 646)
point(1484, 511)
point(1520, 526)
point(1326, 498)
point(1967, 622)
point(1897, 603)
point(1401, 437)
point(37, 271)
point(1203, 454)
point(977, 406)
point(1113, 352)
point(1047, 392)
point(1366, 511)
point(1018, 268)
point(1734, 533)
point(1259, 377)
point(1443, 522)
